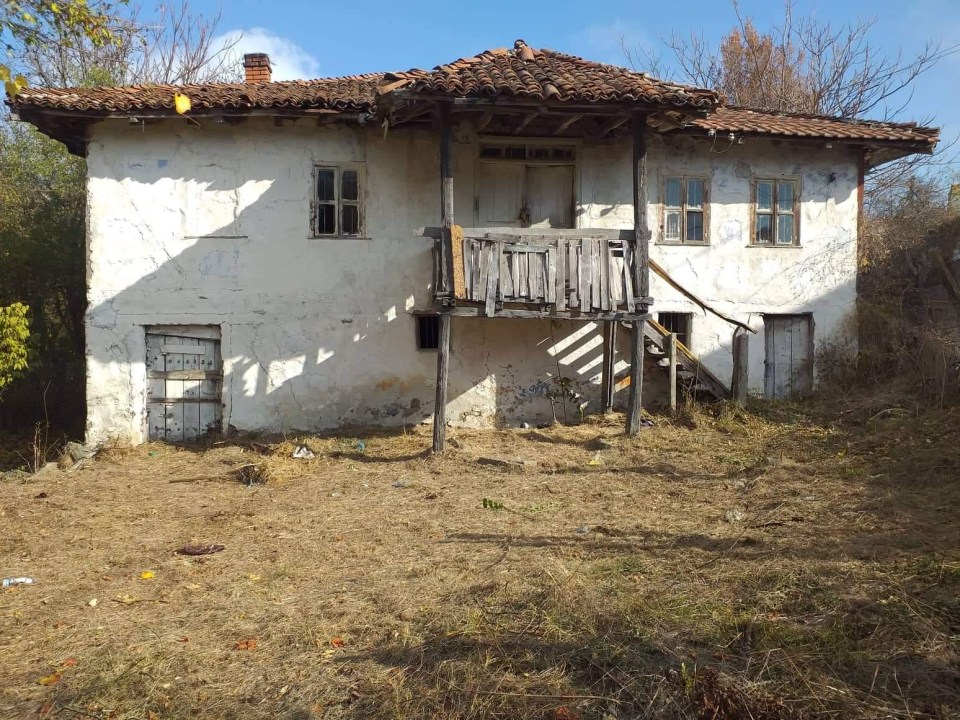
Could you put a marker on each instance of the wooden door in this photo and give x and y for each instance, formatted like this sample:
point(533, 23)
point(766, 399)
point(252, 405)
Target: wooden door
point(500, 194)
point(788, 366)
point(549, 196)
point(184, 382)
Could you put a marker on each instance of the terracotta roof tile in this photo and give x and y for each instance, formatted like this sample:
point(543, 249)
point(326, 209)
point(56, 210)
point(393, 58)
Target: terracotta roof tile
point(354, 93)
point(546, 74)
point(727, 119)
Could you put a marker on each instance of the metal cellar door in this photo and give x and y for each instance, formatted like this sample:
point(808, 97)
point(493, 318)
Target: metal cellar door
point(788, 367)
point(184, 382)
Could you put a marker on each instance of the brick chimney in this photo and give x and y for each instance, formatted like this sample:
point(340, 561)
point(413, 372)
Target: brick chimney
point(257, 67)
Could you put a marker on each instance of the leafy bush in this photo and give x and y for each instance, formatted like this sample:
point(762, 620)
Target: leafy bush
point(14, 333)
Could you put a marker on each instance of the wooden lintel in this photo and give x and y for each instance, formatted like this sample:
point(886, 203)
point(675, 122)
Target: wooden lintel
point(527, 119)
point(433, 231)
point(567, 122)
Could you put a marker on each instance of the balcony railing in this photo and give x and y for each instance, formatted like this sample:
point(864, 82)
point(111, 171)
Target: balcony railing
point(579, 271)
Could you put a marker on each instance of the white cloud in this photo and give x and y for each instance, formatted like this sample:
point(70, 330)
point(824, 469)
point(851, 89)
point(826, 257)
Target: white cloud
point(289, 60)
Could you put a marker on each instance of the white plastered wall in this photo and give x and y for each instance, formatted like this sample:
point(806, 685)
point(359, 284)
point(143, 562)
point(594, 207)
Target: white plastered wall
point(210, 226)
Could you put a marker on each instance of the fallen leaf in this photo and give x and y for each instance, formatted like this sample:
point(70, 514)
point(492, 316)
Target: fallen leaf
point(69, 662)
point(562, 713)
point(337, 642)
point(252, 577)
point(45, 709)
point(51, 679)
point(93, 602)
point(147, 575)
point(248, 644)
point(192, 586)
point(126, 599)
point(181, 103)
point(184, 638)
point(151, 715)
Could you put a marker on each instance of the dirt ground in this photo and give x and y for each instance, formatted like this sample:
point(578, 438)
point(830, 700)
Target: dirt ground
point(787, 562)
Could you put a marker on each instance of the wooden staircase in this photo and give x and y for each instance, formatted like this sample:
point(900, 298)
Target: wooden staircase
point(692, 375)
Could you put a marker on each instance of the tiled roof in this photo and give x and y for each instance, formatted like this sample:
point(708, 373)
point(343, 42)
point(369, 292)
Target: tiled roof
point(354, 93)
point(548, 75)
point(523, 73)
point(727, 119)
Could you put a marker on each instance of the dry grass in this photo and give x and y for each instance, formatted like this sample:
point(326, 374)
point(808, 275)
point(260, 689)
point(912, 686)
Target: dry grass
point(778, 564)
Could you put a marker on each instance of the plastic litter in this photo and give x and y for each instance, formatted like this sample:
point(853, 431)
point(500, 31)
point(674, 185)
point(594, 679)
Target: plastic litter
point(360, 446)
point(11, 581)
point(302, 452)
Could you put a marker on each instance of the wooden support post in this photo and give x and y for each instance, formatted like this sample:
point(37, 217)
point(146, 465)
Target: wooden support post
point(671, 348)
point(641, 255)
point(636, 377)
point(641, 276)
point(443, 372)
point(741, 359)
point(446, 203)
point(445, 291)
point(607, 377)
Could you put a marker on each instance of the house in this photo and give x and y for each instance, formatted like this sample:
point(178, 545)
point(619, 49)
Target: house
point(501, 238)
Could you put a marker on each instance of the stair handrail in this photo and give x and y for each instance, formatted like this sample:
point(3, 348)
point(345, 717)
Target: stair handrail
point(658, 269)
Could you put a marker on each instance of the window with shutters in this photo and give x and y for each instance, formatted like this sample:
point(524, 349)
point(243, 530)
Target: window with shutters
point(684, 210)
point(776, 216)
point(337, 208)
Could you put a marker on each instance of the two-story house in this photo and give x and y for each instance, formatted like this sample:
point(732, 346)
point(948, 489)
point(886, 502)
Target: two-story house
point(354, 251)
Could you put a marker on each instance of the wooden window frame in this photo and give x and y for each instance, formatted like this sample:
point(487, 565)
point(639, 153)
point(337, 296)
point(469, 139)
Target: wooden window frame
point(683, 208)
point(338, 201)
point(774, 211)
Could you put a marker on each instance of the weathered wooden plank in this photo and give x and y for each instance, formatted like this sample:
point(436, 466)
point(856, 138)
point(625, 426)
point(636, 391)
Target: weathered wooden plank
point(209, 332)
point(481, 269)
point(671, 348)
point(628, 279)
point(625, 234)
point(457, 261)
point(184, 375)
point(550, 292)
point(445, 288)
point(560, 298)
point(504, 272)
point(586, 274)
point(494, 256)
point(741, 362)
point(513, 312)
point(606, 296)
point(573, 274)
point(607, 377)
point(595, 269)
point(171, 349)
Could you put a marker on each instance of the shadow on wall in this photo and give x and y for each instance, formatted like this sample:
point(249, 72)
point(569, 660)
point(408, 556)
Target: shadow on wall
point(316, 333)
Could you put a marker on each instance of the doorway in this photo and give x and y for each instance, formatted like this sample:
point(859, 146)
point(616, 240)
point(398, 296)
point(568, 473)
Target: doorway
point(184, 382)
point(788, 363)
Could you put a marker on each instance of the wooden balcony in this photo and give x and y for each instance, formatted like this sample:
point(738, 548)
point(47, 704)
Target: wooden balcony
point(585, 274)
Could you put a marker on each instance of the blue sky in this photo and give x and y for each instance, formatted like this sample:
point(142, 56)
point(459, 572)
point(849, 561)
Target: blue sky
point(320, 38)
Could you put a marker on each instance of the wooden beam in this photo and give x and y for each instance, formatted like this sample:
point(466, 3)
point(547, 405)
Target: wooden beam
point(484, 120)
point(741, 358)
point(641, 255)
point(613, 124)
point(443, 374)
point(444, 293)
point(641, 278)
point(636, 378)
point(565, 125)
point(608, 380)
point(672, 370)
point(527, 119)
point(479, 310)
